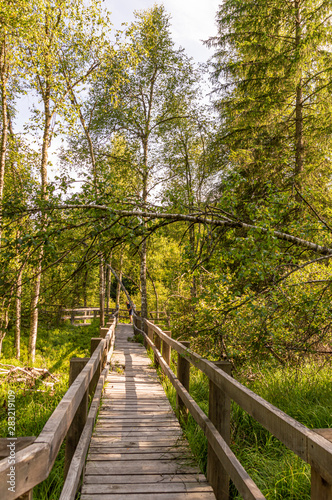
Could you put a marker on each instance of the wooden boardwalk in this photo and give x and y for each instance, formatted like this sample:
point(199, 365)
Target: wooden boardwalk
point(137, 450)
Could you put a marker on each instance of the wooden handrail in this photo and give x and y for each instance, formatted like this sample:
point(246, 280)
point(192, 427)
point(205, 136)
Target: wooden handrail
point(307, 444)
point(245, 485)
point(34, 463)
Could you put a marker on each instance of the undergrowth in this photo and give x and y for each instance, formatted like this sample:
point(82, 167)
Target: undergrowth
point(36, 402)
point(304, 393)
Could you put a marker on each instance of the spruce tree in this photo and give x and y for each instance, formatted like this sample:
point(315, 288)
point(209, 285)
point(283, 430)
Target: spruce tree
point(273, 70)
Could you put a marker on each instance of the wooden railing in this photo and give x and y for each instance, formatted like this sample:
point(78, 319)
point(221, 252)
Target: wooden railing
point(311, 446)
point(82, 316)
point(69, 420)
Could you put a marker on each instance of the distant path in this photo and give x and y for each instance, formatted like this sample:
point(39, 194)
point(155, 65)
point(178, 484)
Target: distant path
point(137, 449)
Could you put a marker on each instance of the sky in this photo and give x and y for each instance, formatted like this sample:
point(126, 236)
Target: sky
point(191, 21)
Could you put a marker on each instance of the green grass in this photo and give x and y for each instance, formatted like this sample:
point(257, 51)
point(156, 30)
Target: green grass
point(304, 393)
point(36, 403)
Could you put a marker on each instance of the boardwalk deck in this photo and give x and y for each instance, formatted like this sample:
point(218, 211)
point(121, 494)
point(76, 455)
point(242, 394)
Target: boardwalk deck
point(137, 449)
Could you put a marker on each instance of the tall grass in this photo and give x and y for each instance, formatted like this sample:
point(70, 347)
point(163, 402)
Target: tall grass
point(304, 393)
point(36, 403)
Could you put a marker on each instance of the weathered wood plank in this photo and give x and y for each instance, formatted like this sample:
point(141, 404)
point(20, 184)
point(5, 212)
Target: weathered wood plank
point(153, 496)
point(102, 489)
point(146, 478)
point(94, 451)
point(140, 467)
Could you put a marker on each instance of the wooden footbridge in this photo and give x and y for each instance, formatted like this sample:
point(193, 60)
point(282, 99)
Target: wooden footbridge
point(135, 449)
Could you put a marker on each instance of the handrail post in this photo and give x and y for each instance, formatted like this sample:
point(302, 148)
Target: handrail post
point(321, 489)
point(157, 343)
point(167, 350)
point(78, 422)
point(94, 342)
point(149, 333)
point(220, 416)
point(146, 331)
point(183, 374)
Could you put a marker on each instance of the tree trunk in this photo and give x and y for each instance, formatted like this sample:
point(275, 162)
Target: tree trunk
point(102, 290)
point(4, 323)
point(85, 284)
point(144, 296)
point(18, 308)
point(155, 292)
point(34, 311)
point(36, 285)
point(108, 286)
point(118, 285)
point(144, 300)
point(299, 146)
point(4, 116)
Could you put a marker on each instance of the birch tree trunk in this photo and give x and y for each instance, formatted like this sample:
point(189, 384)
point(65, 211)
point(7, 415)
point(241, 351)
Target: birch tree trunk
point(118, 285)
point(18, 310)
point(4, 118)
point(43, 171)
point(108, 286)
point(101, 290)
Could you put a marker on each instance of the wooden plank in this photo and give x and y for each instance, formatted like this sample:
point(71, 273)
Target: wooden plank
point(325, 433)
point(146, 478)
point(127, 444)
point(151, 449)
point(133, 425)
point(103, 489)
point(148, 455)
point(105, 437)
point(152, 496)
point(140, 467)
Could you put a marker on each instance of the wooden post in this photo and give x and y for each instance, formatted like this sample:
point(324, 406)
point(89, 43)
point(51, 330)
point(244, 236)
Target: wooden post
point(146, 331)
point(321, 489)
point(103, 332)
point(167, 350)
point(184, 377)
point(94, 342)
point(149, 333)
point(72, 317)
point(78, 423)
point(220, 416)
point(157, 343)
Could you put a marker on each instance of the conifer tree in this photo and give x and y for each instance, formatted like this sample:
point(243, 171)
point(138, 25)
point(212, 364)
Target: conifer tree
point(273, 69)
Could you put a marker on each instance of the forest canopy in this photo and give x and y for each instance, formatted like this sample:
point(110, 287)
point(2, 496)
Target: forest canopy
point(215, 210)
